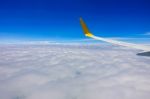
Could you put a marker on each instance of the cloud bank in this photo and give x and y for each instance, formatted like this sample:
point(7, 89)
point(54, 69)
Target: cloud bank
point(73, 72)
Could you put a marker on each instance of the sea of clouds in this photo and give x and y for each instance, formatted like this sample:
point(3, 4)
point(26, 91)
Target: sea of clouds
point(73, 71)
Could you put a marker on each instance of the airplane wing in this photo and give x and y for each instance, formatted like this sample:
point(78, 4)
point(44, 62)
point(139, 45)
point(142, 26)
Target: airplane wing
point(89, 34)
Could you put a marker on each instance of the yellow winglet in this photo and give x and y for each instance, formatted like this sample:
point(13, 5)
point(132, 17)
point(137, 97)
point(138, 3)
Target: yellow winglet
point(85, 29)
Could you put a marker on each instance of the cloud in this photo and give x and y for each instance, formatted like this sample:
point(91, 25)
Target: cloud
point(61, 71)
point(147, 33)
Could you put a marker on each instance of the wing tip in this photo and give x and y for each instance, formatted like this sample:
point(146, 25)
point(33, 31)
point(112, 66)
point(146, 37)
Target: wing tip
point(85, 29)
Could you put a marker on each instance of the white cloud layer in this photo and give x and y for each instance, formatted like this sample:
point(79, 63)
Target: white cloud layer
point(73, 72)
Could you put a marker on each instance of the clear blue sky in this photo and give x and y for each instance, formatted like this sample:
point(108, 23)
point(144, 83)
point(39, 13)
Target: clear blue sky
point(59, 19)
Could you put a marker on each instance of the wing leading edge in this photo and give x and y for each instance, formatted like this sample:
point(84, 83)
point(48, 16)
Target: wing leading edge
point(89, 34)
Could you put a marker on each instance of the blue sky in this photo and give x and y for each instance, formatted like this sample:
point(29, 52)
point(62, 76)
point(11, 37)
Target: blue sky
point(59, 19)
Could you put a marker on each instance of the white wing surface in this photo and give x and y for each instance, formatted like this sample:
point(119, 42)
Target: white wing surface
point(89, 34)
